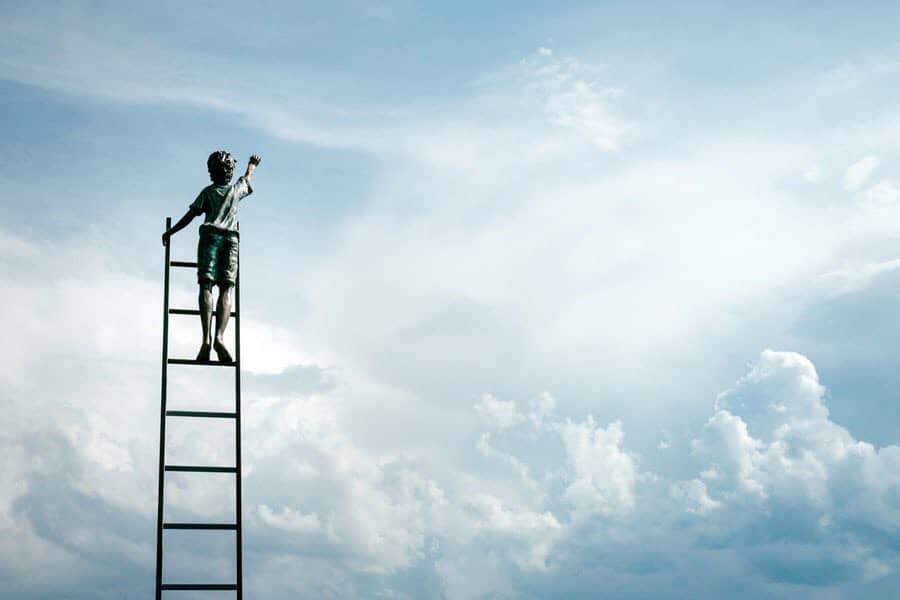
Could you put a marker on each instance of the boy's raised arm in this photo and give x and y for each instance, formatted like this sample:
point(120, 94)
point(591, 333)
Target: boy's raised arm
point(251, 165)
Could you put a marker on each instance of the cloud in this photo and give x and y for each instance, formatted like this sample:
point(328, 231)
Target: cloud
point(87, 59)
point(694, 495)
point(859, 172)
point(778, 491)
point(882, 195)
point(853, 279)
point(370, 514)
point(860, 74)
point(509, 110)
point(57, 521)
point(781, 472)
point(572, 95)
point(500, 414)
point(781, 489)
point(532, 534)
point(812, 174)
point(603, 473)
point(485, 448)
point(289, 520)
point(294, 379)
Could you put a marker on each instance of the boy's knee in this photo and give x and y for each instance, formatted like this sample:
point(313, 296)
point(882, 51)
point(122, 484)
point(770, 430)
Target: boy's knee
point(225, 288)
point(205, 286)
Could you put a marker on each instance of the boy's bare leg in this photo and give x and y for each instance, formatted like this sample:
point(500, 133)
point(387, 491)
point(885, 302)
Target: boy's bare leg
point(206, 312)
point(223, 311)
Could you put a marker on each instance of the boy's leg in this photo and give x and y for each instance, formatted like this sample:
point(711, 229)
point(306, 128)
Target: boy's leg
point(223, 311)
point(206, 311)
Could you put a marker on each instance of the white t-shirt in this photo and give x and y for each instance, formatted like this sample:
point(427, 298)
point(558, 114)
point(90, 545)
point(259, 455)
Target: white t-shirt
point(220, 203)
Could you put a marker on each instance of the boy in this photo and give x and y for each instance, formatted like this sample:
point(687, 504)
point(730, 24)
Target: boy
point(217, 250)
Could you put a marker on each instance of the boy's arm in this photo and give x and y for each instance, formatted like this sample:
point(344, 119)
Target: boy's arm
point(251, 166)
point(181, 224)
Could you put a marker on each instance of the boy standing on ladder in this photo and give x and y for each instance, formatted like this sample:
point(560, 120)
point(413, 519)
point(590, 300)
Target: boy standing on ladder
point(217, 250)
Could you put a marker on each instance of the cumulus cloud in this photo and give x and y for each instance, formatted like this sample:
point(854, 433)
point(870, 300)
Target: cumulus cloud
point(370, 513)
point(603, 474)
point(780, 471)
point(533, 534)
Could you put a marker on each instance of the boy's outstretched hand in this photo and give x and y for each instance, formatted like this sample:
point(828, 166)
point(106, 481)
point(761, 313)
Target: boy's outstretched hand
point(255, 160)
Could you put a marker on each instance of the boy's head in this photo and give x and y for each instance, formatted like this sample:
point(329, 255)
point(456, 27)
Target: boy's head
point(221, 167)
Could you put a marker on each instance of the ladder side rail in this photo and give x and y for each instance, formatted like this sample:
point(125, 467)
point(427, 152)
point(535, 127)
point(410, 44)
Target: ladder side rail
point(162, 422)
point(237, 431)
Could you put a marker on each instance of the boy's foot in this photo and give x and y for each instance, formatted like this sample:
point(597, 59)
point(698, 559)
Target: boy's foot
point(222, 352)
point(204, 353)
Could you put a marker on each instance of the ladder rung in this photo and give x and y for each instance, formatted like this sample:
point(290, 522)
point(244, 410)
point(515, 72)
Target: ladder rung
point(200, 526)
point(193, 469)
point(189, 311)
point(181, 263)
point(190, 361)
point(199, 586)
point(201, 413)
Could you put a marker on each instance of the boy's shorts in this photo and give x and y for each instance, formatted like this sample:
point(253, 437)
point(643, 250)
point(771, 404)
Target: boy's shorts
point(217, 255)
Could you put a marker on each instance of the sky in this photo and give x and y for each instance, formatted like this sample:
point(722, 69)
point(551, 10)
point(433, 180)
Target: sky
point(539, 300)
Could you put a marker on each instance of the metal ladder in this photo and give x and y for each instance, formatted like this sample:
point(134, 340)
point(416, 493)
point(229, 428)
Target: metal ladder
point(164, 413)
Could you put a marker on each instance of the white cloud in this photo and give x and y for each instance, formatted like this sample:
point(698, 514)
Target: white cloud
point(778, 468)
point(812, 174)
point(853, 279)
point(572, 96)
point(694, 496)
point(542, 408)
point(534, 533)
point(885, 193)
point(485, 448)
point(501, 414)
point(859, 172)
point(603, 474)
point(290, 520)
point(373, 514)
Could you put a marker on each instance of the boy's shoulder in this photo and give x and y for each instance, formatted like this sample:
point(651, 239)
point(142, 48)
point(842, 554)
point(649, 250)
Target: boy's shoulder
point(203, 197)
point(215, 189)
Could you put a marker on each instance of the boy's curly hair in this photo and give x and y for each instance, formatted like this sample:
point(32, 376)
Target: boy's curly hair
point(221, 167)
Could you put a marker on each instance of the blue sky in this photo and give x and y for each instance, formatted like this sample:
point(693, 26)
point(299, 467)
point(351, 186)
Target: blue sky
point(541, 300)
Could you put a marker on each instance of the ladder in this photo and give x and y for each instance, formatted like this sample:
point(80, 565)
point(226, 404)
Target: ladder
point(164, 414)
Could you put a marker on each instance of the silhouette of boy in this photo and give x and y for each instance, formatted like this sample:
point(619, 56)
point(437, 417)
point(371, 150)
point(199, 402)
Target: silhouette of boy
point(217, 249)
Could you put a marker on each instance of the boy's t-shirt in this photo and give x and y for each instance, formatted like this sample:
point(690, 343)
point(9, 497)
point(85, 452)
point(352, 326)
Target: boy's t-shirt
point(220, 203)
